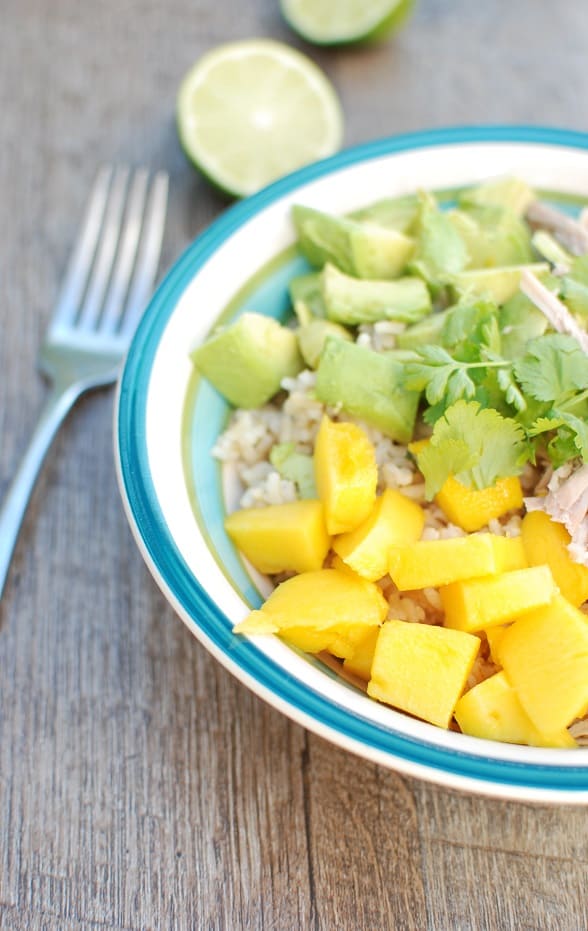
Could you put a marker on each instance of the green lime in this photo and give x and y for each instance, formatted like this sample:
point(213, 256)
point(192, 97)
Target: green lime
point(336, 22)
point(249, 112)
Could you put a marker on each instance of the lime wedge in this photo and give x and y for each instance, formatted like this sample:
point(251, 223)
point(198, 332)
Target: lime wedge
point(249, 112)
point(335, 22)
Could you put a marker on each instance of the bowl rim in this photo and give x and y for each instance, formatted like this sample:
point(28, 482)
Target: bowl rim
point(452, 768)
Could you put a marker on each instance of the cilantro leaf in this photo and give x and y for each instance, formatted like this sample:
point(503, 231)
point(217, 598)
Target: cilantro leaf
point(553, 367)
point(476, 445)
point(570, 436)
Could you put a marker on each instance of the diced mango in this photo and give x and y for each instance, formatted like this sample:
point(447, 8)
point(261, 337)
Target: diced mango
point(509, 553)
point(430, 563)
point(346, 474)
point(472, 508)
point(545, 657)
point(494, 635)
point(491, 710)
point(394, 519)
point(321, 610)
point(336, 562)
point(475, 604)
point(422, 669)
point(360, 661)
point(281, 537)
point(546, 542)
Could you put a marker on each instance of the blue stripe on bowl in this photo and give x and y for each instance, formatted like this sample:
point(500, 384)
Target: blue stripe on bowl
point(171, 569)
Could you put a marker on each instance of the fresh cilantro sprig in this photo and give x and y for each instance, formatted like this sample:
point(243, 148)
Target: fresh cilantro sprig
point(441, 376)
point(477, 446)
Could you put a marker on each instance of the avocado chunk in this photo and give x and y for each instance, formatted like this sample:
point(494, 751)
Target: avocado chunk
point(366, 250)
point(247, 360)
point(395, 213)
point(512, 193)
point(353, 300)
point(312, 337)
point(494, 236)
point(368, 385)
point(296, 467)
point(424, 332)
point(498, 284)
point(440, 249)
point(307, 298)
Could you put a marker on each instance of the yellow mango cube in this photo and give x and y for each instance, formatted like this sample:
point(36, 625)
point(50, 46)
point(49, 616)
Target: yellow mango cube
point(346, 474)
point(494, 635)
point(545, 657)
point(360, 661)
point(476, 604)
point(394, 519)
point(321, 610)
point(430, 563)
point(492, 711)
point(281, 537)
point(472, 508)
point(422, 669)
point(546, 542)
point(509, 553)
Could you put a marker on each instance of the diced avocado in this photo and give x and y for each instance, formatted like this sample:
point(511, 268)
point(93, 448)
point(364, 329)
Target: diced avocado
point(362, 249)
point(512, 193)
point(494, 236)
point(322, 238)
point(367, 385)
point(498, 284)
point(440, 250)
point(396, 213)
point(312, 337)
point(574, 287)
point(296, 467)
point(352, 300)
point(307, 298)
point(378, 252)
point(549, 248)
point(247, 360)
point(424, 332)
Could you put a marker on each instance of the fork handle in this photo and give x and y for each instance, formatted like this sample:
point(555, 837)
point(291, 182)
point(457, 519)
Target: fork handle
point(58, 404)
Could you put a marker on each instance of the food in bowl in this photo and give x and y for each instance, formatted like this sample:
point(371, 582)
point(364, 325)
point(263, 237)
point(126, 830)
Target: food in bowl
point(412, 456)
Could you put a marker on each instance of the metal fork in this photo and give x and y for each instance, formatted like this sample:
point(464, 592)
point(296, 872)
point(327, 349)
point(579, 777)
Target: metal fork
point(106, 286)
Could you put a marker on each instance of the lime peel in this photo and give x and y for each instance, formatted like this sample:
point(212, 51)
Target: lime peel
point(327, 23)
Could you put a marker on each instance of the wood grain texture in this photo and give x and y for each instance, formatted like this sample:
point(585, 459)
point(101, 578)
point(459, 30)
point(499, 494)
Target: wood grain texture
point(141, 786)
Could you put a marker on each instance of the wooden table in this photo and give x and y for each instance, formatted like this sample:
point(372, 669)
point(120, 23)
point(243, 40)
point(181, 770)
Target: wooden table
point(141, 786)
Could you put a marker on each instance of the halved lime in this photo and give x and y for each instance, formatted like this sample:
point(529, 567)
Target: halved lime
point(249, 112)
point(336, 22)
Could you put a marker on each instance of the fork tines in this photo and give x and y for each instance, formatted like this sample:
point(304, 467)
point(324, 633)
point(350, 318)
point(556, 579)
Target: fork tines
point(112, 269)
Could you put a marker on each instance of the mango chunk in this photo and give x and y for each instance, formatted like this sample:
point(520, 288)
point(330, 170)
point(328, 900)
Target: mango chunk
point(281, 537)
point(360, 661)
point(509, 553)
point(492, 711)
point(422, 669)
point(430, 563)
point(475, 604)
point(545, 657)
point(494, 635)
point(394, 519)
point(546, 542)
point(472, 508)
point(346, 474)
point(321, 610)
